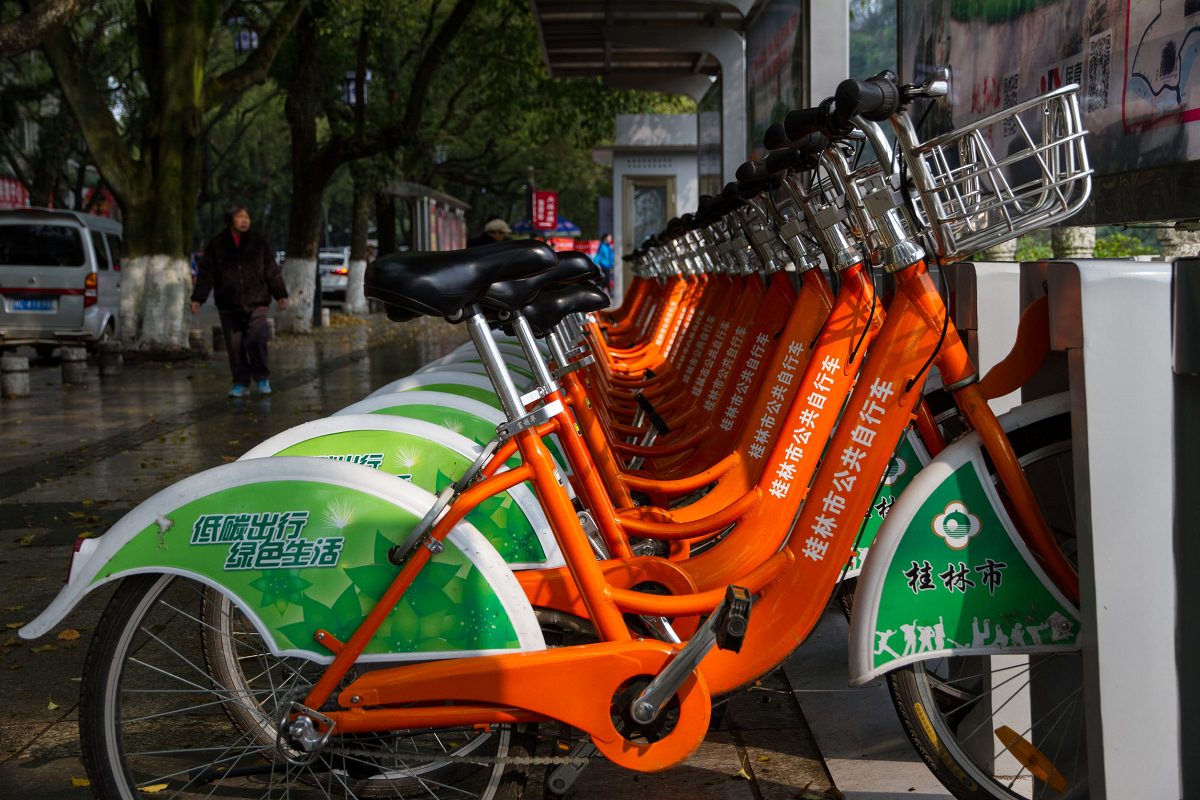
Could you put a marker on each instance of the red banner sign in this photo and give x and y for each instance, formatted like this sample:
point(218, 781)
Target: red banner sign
point(13, 193)
point(545, 210)
point(562, 243)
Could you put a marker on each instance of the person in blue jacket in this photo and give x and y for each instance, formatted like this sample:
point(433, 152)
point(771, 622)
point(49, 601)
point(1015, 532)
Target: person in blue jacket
point(605, 259)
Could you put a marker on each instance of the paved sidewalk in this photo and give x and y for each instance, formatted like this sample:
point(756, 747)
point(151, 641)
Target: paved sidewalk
point(75, 459)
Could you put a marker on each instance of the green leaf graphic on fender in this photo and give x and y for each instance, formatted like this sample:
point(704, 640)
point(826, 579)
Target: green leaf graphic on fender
point(433, 467)
point(245, 538)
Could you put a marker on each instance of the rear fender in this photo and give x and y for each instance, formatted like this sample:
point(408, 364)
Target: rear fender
point(432, 458)
point(949, 575)
point(467, 384)
point(475, 420)
point(300, 545)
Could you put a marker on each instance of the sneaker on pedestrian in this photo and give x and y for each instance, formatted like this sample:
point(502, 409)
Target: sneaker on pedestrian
point(264, 386)
point(239, 390)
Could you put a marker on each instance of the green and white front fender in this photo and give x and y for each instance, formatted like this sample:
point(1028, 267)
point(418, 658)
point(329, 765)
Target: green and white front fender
point(948, 573)
point(300, 545)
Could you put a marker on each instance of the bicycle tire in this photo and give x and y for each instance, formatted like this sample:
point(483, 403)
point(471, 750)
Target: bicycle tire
point(945, 705)
point(153, 712)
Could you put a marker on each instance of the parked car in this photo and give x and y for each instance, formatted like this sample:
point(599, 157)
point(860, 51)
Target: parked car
point(334, 263)
point(60, 278)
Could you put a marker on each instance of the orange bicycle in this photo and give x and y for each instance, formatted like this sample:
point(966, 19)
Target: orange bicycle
point(300, 625)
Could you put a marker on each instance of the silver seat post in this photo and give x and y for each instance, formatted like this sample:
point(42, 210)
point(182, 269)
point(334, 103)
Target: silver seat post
point(557, 349)
point(493, 362)
point(541, 372)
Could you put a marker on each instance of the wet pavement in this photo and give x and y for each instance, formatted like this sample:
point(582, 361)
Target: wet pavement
point(76, 458)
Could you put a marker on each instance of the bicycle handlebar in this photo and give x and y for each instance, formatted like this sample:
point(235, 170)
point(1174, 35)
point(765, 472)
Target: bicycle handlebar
point(876, 98)
point(790, 158)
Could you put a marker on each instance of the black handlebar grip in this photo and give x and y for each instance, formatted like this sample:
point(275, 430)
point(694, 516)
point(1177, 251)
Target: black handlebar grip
point(752, 186)
point(813, 143)
point(822, 119)
point(876, 98)
point(775, 137)
point(803, 122)
point(750, 170)
point(780, 160)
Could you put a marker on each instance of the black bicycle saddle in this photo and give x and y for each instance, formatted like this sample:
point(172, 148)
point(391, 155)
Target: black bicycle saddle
point(511, 295)
point(443, 283)
point(553, 305)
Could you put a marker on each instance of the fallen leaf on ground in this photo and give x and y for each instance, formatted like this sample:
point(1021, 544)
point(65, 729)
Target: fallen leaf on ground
point(227, 459)
point(14, 608)
point(741, 773)
point(761, 759)
point(12, 641)
point(43, 648)
point(76, 514)
point(86, 502)
point(153, 788)
point(27, 541)
point(12, 626)
point(52, 706)
point(80, 783)
point(70, 635)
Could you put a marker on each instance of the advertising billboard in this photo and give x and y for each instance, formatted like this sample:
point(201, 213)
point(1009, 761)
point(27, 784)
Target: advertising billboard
point(1134, 60)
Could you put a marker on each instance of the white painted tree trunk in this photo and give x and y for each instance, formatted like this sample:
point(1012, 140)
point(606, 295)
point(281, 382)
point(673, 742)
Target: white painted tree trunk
point(155, 294)
point(1179, 244)
point(1070, 241)
point(1005, 251)
point(299, 275)
point(356, 300)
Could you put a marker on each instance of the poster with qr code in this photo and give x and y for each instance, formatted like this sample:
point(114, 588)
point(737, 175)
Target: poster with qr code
point(1135, 62)
point(1162, 82)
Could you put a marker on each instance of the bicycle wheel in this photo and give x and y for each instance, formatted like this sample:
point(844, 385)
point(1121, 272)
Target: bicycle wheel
point(1007, 726)
point(179, 693)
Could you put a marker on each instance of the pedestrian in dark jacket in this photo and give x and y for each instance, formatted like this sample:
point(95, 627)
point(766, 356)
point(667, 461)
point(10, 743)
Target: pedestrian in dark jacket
point(239, 268)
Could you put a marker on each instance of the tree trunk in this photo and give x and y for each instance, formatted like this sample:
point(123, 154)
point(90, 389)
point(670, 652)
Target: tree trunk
point(1005, 251)
point(310, 175)
point(1179, 244)
point(356, 300)
point(1069, 241)
point(299, 270)
point(156, 284)
point(385, 222)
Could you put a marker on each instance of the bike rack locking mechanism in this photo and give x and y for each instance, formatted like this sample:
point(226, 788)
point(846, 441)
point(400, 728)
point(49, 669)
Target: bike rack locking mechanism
point(725, 628)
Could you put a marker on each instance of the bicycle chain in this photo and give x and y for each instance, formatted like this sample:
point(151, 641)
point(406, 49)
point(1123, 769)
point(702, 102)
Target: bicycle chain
point(526, 761)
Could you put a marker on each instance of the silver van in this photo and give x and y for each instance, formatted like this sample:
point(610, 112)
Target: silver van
point(60, 278)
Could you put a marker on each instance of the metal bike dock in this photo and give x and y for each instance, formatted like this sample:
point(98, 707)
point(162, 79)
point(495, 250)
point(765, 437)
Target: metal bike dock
point(1114, 326)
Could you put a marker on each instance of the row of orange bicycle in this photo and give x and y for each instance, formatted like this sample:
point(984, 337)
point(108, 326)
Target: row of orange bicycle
point(567, 540)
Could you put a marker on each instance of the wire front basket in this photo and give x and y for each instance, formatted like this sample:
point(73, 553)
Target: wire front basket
point(974, 198)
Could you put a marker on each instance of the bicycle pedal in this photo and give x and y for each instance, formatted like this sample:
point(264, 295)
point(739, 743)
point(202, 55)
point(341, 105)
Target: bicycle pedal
point(735, 618)
point(563, 777)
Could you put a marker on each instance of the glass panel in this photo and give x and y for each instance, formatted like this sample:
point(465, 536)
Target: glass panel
point(101, 253)
point(40, 246)
point(649, 211)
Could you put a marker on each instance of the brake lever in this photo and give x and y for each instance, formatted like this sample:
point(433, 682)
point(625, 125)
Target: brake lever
point(937, 85)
